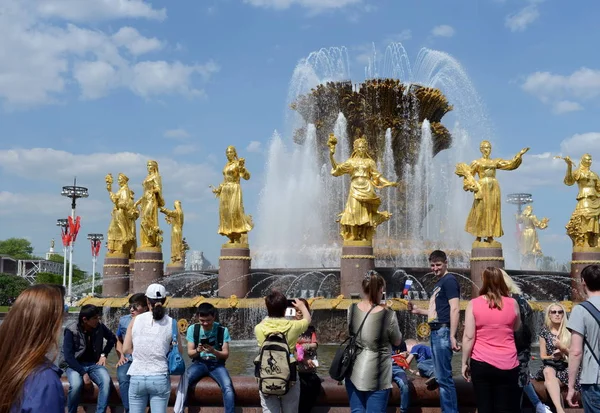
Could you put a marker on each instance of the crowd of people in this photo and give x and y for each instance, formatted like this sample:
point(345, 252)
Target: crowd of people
point(496, 350)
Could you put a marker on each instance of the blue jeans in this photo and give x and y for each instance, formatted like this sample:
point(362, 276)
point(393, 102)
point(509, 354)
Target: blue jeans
point(124, 384)
point(366, 401)
point(153, 389)
point(399, 377)
point(218, 372)
point(442, 365)
point(590, 395)
point(99, 375)
point(531, 395)
point(425, 368)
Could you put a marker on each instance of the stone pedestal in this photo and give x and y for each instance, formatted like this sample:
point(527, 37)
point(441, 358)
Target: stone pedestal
point(149, 268)
point(174, 269)
point(481, 258)
point(131, 273)
point(580, 260)
point(234, 271)
point(115, 282)
point(356, 261)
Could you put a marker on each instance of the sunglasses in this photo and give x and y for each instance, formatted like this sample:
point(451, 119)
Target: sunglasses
point(561, 312)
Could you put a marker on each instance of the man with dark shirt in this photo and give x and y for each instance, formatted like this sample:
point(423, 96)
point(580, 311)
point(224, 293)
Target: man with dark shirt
point(84, 357)
point(443, 316)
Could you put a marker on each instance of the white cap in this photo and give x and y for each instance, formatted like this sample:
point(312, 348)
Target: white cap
point(156, 292)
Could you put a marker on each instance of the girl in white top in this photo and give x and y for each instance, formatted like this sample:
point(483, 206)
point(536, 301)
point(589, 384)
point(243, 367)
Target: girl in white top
point(148, 339)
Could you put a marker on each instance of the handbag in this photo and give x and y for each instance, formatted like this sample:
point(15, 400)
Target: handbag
point(341, 365)
point(558, 365)
point(174, 359)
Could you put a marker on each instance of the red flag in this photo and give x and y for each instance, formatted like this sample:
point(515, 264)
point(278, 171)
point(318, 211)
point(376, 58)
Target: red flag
point(74, 227)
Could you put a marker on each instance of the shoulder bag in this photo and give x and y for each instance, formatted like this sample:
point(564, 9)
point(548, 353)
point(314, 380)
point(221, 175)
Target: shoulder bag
point(174, 359)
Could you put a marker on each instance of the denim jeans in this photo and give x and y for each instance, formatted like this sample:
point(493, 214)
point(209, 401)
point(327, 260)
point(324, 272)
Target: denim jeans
point(218, 372)
point(124, 384)
point(590, 395)
point(442, 366)
point(288, 403)
point(366, 401)
point(99, 375)
point(399, 377)
point(152, 389)
point(531, 395)
point(425, 368)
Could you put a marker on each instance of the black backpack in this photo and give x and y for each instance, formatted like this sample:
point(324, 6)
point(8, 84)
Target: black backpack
point(220, 335)
point(341, 365)
point(272, 366)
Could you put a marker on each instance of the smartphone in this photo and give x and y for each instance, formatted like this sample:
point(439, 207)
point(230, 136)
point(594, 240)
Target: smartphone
point(204, 341)
point(383, 299)
point(290, 312)
point(290, 303)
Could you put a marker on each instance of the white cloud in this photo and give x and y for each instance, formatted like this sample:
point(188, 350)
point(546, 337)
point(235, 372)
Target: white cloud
point(443, 31)
point(566, 106)
point(137, 44)
point(41, 56)
point(254, 146)
point(561, 91)
point(578, 144)
point(178, 133)
point(313, 5)
point(77, 10)
point(519, 21)
point(404, 35)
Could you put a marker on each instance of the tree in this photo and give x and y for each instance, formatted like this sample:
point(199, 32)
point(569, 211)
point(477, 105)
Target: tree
point(18, 248)
point(48, 278)
point(78, 273)
point(10, 288)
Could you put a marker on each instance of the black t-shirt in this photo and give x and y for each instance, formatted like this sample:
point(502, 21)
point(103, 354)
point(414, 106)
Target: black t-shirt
point(444, 290)
point(88, 355)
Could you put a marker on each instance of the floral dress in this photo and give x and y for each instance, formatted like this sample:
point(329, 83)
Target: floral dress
point(561, 374)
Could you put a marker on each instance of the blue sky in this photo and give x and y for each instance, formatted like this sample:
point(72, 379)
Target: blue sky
point(98, 86)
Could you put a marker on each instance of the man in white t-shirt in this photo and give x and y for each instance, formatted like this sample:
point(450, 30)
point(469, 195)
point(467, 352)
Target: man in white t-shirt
point(584, 351)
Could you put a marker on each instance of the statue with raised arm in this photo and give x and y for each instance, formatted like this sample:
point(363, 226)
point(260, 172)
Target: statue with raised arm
point(361, 217)
point(233, 221)
point(529, 243)
point(121, 237)
point(174, 217)
point(584, 227)
point(150, 202)
point(484, 220)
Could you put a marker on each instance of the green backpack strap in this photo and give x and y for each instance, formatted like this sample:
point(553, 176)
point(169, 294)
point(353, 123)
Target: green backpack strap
point(220, 335)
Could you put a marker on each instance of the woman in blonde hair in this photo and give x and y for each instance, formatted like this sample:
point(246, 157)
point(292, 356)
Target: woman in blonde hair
point(554, 351)
point(30, 331)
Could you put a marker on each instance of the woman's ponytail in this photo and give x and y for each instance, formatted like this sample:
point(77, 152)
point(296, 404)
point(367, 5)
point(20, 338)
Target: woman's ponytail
point(371, 285)
point(158, 311)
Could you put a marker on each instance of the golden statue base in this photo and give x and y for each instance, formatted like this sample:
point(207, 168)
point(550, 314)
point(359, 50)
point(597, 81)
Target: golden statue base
point(234, 271)
point(484, 244)
point(235, 245)
point(149, 268)
point(356, 261)
point(149, 249)
point(481, 258)
point(174, 268)
point(364, 243)
point(115, 282)
point(580, 260)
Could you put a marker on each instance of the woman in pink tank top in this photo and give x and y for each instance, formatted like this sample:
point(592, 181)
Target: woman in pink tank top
point(489, 356)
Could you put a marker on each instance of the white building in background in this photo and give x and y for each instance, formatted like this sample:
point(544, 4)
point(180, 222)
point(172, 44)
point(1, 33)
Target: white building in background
point(196, 261)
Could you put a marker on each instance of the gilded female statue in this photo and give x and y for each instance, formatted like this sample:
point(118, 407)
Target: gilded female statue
point(121, 230)
point(360, 217)
point(485, 219)
point(150, 202)
point(529, 243)
point(583, 227)
point(174, 217)
point(233, 222)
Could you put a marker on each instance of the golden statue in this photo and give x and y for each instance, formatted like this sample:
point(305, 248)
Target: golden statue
point(360, 217)
point(121, 238)
point(174, 218)
point(583, 227)
point(150, 202)
point(233, 222)
point(485, 219)
point(529, 243)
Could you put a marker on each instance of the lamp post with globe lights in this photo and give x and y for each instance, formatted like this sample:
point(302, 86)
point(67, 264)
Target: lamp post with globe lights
point(73, 192)
point(95, 240)
point(519, 199)
point(63, 223)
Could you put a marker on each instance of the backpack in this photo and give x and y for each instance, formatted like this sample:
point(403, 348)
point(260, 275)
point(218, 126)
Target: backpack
point(594, 312)
point(220, 337)
point(273, 368)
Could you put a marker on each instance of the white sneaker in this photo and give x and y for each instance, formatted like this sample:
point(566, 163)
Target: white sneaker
point(542, 408)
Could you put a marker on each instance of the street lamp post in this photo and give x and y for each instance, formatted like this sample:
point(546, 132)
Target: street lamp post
point(64, 229)
point(95, 240)
point(74, 192)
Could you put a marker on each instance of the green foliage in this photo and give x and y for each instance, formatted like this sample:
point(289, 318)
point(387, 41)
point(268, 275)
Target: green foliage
point(10, 288)
point(48, 278)
point(18, 248)
point(78, 274)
